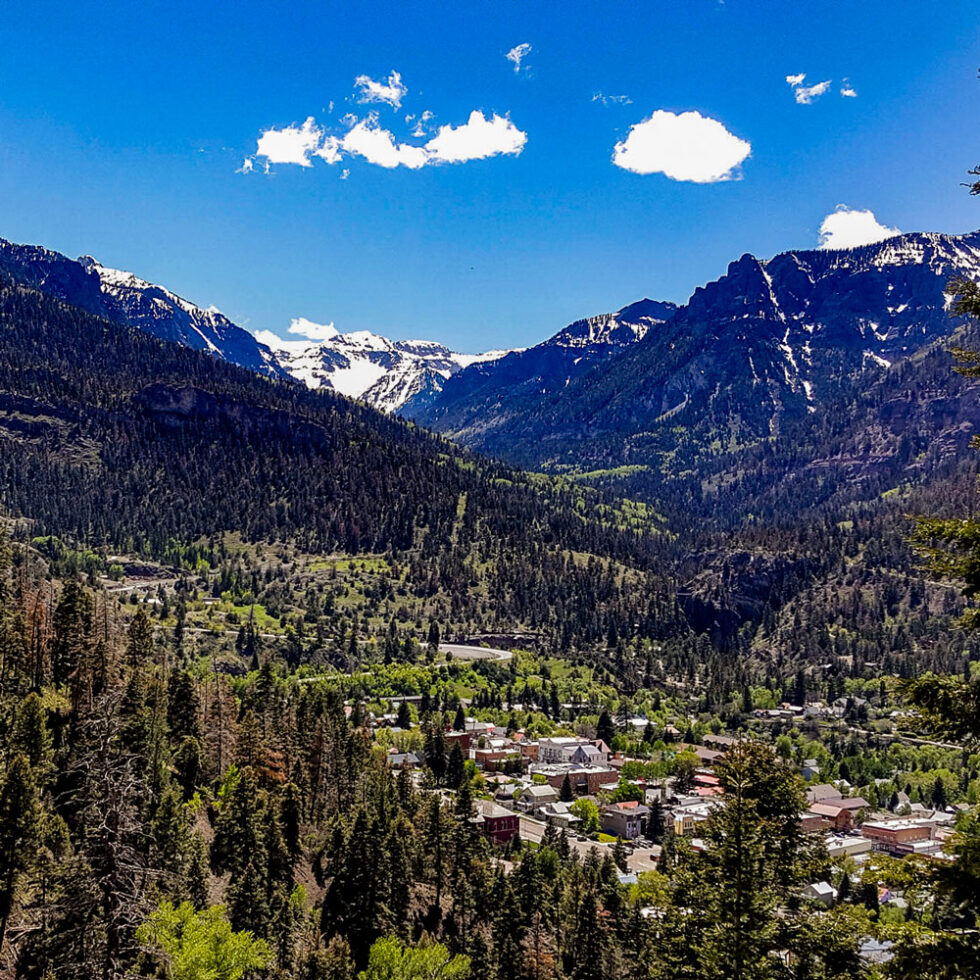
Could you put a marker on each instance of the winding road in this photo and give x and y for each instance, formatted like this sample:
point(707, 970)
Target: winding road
point(462, 652)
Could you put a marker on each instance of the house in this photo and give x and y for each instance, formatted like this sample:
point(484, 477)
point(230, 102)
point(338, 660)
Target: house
point(462, 739)
point(584, 779)
point(855, 847)
point(559, 749)
point(559, 814)
point(403, 760)
point(852, 803)
point(706, 756)
point(496, 755)
point(812, 823)
point(876, 952)
point(535, 797)
point(587, 754)
point(821, 892)
point(809, 769)
point(839, 818)
point(686, 818)
point(720, 742)
point(498, 825)
point(821, 792)
point(625, 820)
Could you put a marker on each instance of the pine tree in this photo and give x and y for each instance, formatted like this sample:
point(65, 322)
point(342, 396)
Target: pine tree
point(139, 644)
point(455, 770)
point(566, 794)
point(20, 827)
point(605, 730)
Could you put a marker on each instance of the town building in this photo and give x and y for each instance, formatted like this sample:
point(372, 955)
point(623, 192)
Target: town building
point(498, 825)
point(625, 820)
point(901, 837)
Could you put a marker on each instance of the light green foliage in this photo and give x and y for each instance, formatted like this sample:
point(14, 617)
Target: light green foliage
point(588, 813)
point(391, 959)
point(202, 945)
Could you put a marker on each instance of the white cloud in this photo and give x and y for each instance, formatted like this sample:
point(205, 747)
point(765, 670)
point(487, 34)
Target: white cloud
point(688, 146)
point(805, 94)
point(293, 144)
point(329, 149)
point(378, 146)
point(313, 331)
point(848, 228)
point(847, 90)
point(517, 54)
point(391, 92)
point(479, 137)
point(476, 139)
point(420, 129)
point(611, 99)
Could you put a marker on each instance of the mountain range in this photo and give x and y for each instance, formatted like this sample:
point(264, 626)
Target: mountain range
point(381, 372)
point(794, 399)
point(125, 298)
point(813, 366)
point(774, 350)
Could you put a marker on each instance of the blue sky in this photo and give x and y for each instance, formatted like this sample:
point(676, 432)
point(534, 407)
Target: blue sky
point(124, 127)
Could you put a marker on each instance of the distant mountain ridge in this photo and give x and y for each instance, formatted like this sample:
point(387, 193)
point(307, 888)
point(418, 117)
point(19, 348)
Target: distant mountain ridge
point(484, 392)
point(125, 298)
point(749, 356)
point(380, 372)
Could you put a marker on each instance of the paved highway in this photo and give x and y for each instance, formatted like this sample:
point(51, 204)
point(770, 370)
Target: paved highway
point(461, 652)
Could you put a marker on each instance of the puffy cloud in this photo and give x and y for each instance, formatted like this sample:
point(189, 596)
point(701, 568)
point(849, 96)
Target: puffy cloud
point(313, 331)
point(479, 137)
point(476, 139)
point(847, 90)
point(805, 94)
point(688, 146)
point(293, 144)
point(849, 228)
point(329, 149)
point(367, 139)
point(392, 91)
point(310, 331)
point(517, 54)
point(611, 99)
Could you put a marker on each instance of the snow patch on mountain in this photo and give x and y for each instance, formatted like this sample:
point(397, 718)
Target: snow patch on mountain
point(166, 315)
point(360, 364)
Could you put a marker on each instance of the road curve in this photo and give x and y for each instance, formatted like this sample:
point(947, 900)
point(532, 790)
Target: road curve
point(463, 652)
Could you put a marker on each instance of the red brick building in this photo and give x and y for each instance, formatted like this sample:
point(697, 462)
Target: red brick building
point(498, 825)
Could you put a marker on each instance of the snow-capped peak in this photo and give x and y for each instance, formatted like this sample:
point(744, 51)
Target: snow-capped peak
point(166, 315)
point(360, 364)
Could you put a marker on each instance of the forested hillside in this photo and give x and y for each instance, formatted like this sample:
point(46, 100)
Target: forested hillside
point(780, 384)
point(116, 441)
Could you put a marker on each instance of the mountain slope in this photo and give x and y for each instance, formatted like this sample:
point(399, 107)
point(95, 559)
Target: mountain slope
point(123, 443)
point(771, 346)
point(380, 372)
point(125, 298)
point(485, 394)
